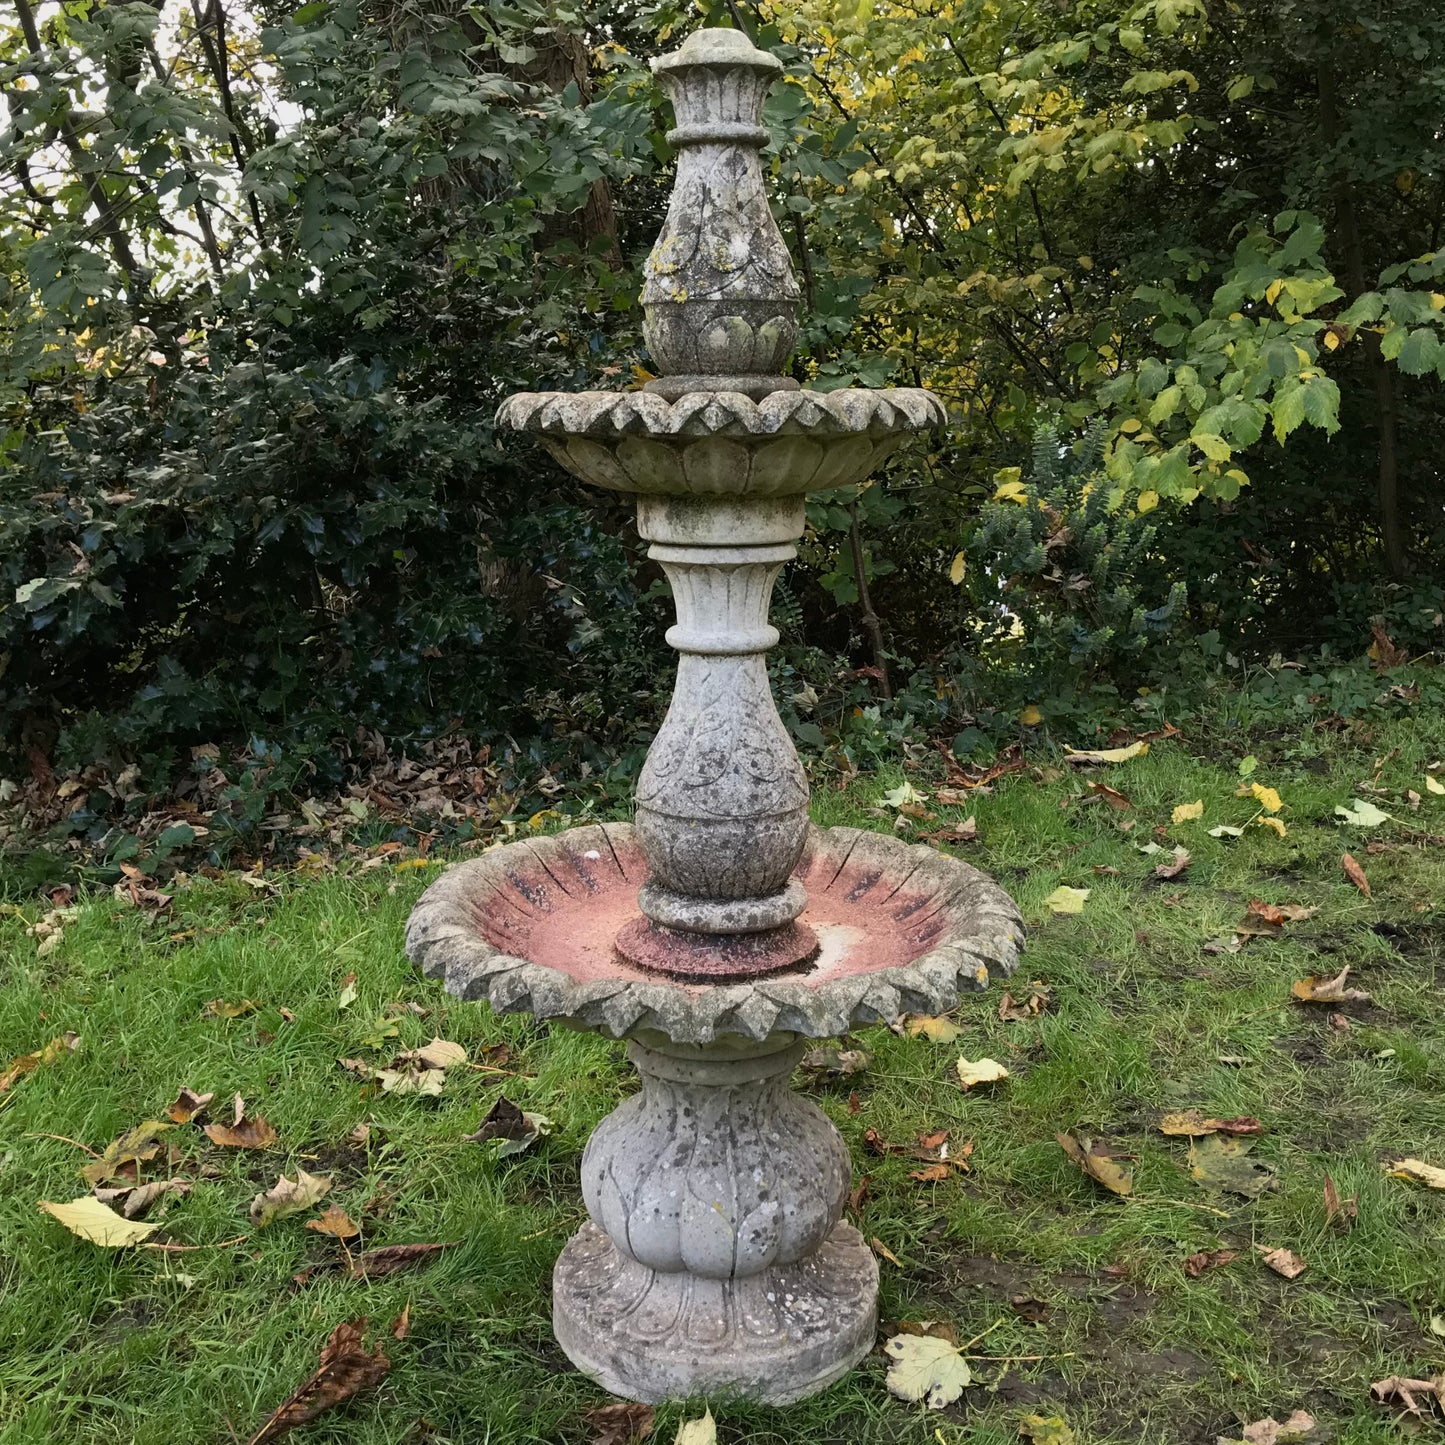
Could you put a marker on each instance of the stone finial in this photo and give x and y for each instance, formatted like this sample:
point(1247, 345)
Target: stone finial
point(720, 299)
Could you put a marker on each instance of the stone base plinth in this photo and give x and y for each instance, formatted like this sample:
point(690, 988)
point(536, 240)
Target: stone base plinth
point(774, 1337)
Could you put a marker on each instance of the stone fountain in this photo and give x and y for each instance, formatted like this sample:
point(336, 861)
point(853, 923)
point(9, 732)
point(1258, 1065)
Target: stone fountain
point(720, 931)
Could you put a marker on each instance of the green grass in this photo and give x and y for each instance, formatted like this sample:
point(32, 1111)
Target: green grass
point(151, 1347)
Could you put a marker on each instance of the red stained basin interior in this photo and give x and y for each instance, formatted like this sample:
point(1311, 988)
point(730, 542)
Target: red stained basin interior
point(567, 912)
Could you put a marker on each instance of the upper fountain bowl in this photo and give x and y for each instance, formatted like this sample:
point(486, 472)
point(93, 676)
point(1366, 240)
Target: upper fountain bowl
point(531, 927)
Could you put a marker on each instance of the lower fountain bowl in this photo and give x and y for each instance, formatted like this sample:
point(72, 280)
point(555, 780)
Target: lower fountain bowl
point(533, 926)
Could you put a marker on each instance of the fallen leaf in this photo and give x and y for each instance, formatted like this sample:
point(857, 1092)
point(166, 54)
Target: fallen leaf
point(288, 1196)
point(837, 1061)
point(57, 1048)
point(875, 1143)
point(408, 1080)
point(400, 1327)
point(1223, 1162)
point(1355, 874)
point(858, 1196)
point(882, 1250)
point(619, 1424)
point(1361, 814)
point(1172, 870)
point(1225, 832)
point(980, 1071)
point(1434, 785)
point(346, 1369)
point(1417, 1172)
point(1112, 796)
point(392, 1257)
point(516, 1130)
point(242, 1133)
point(1266, 797)
point(1225, 943)
point(1030, 1307)
point(1283, 1262)
point(934, 1329)
point(218, 1008)
point(905, 797)
point(1046, 1430)
point(133, 1147)
point(188, 1104)
point(1339, 1212)
point(1274, 825)
point(1094, 757)
point(94, 1223)
point(1188, 812)
point(1106, 870)
point(136, 1199)
point(1269, 919)
point(926, 1368)
point(939, 1030)
point(439, 1054)
point(1067, 900)
point(1012, 1010)
point(1401, 1391)
point(1328, 990)
point(934, 1174)
point(1196, 1264)
point(1099, 1167)
point(349, 990)
point(1269, 1431)
point(1192, 1122)
point(335, 1221)
point(698, 1432)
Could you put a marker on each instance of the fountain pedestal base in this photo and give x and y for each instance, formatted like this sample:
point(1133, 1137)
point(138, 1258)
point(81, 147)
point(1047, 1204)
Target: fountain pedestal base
point(774, 1337)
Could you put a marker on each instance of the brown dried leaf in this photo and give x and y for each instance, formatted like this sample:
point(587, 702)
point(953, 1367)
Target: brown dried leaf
point(1196, 1264)
point(837, 1061)
point(400, 1327)
point(1192, 1122)
point(1112, 796)
point(1012, 1010)
point(1283, 1262)
point(346, 1369)
point(392, 1257)
point(1339, 1212)
point(1173, 869)
point(136, 1199)
point(439, 1054)
point(619, 1424)
point(1030, 1308)
point(1328, 990)
point(1099, 1167)
point(188, 1104)
point(1398, 1390)
point(1355, 874)
point(335, 1221)
point(243, 1133)
point(934, 1174)
point(1298, 1429)
point(875, 1143)
point(504, 1120)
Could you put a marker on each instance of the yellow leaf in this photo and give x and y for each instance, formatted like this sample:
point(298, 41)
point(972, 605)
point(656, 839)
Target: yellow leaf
point(1132, 424)
point(1146, 501)
point(1437, 301)
point(1083, 757)
point(937, 1030)
point(1031, 717)
point(94, 1223)
point(1274, 823)
point(958, 569)
point(1271, 295)
point(1268, 798)
point(1434, 785)
point(1086, 263)
point(980, 1071)
point(1417, 1172)
point(1188, 812)
point(1331, 340)
point(1067, 900)
point(1011, 492)
point(288, 1197)
point(926, 1368)
point(697, 1432)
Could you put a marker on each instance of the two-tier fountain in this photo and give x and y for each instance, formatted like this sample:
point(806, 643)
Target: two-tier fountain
point(720, 931)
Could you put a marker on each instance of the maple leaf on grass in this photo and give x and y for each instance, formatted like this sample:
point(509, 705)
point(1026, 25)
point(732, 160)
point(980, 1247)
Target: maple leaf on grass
point(702, 1431)
point(619, 1424)
point(971, 1073)
point(288, 1196)
point(346, 1369)
point(1192, 1122)
point(515, 1129)
point(1196, 1264)
point(125, 1154)
point(1328, 990)
point(1065, 900)
point(93, 1222)
point(1222, 1162)
point(940, 1030)
point(1283, 1262)
point(392, 1257)
point(926, 1368)
point(241, 1132)
point(187, 1106)
point(335, 1221)
point(1098, 1166)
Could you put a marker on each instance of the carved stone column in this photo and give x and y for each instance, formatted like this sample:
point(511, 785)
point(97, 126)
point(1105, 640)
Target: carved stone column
point(715, 1259)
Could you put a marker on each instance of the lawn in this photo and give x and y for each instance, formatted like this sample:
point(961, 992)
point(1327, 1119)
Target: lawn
point(1089, 1311)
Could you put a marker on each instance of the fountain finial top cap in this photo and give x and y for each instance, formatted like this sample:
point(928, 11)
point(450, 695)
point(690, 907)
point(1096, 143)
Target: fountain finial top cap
point(719, 299)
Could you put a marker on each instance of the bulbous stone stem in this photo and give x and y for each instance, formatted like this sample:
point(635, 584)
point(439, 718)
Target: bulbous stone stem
point(722, 802)
point(715, 1259)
